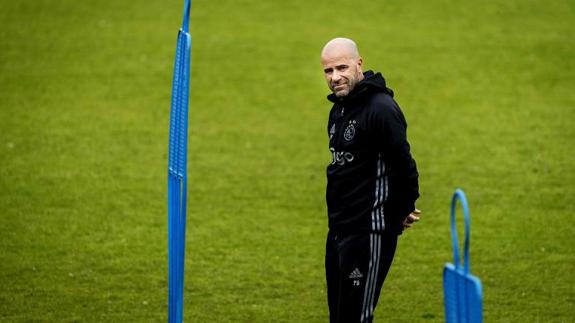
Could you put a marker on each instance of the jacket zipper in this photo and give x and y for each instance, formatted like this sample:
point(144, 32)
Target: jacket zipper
point(340, 126)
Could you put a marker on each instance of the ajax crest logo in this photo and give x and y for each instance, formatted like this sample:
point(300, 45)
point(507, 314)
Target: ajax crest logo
point(349, 131)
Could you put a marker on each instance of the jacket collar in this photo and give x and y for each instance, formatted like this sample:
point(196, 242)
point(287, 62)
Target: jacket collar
point(371, 83)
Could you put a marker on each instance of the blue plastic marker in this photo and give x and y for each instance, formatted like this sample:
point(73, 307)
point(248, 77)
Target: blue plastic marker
point(461, 290)
point(177, 172)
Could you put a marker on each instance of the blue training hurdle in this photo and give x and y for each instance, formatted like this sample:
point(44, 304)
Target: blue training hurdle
point(461, 290)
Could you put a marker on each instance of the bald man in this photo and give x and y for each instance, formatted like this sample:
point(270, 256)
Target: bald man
point(372, 183)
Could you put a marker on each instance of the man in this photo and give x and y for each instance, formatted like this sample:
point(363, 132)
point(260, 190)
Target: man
point(372, 183)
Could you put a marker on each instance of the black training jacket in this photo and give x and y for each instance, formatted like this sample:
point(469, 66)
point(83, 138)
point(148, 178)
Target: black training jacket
point(372, 181)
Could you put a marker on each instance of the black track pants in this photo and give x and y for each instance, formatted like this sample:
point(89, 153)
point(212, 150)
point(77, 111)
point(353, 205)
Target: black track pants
point(355, 267)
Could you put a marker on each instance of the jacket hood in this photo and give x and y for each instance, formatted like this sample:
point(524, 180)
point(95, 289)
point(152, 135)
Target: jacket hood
point(371, 83)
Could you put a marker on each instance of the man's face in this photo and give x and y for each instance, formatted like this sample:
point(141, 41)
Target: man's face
point(342, 73)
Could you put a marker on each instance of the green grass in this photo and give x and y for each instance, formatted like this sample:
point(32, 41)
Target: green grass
point(487, 88)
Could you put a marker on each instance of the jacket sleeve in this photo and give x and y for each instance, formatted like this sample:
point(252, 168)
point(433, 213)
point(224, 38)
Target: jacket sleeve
point(390, 133)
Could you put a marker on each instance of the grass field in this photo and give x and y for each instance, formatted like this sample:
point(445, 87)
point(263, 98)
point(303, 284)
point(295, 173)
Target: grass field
point(487, 88)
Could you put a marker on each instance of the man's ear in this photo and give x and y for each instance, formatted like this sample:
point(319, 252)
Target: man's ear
point(359, 63)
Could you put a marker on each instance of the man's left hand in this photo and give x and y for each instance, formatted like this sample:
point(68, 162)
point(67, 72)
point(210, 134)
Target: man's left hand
point(411, 219)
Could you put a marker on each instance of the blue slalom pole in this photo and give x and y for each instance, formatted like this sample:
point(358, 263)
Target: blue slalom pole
point(177, 172)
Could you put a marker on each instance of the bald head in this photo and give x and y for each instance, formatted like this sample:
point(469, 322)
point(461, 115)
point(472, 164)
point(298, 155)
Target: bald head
point(340, 46)
point(341, 65)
